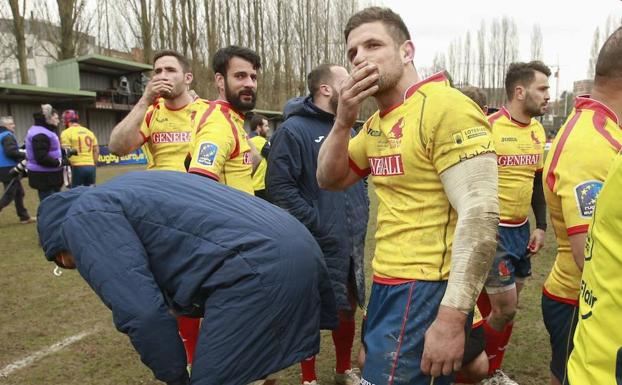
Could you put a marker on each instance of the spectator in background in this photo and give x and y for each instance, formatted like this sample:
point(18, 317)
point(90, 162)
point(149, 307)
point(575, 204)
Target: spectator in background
point(477, 95)
point(10, 155)
point(43, 151)
point(82, 140)
point(337, 220)
point(258, 136)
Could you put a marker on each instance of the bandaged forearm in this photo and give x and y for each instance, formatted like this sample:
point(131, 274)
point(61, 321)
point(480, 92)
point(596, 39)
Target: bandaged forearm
point(471, 187)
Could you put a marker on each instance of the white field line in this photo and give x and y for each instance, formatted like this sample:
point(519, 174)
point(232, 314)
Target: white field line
point(26, 361)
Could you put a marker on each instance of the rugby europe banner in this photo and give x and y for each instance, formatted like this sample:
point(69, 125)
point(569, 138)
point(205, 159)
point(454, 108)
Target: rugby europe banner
point(108, 159)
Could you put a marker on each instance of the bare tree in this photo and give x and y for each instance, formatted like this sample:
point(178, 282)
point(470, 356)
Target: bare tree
point(594, 54)
point(20, 38)
point(536, 42)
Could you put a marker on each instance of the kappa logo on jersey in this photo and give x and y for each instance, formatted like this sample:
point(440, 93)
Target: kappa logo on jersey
point(170, 137)
point(586, 194)
point(207, 153)
point(248, 158)
point(386, 165)
point(518, 160)
point(468, 134)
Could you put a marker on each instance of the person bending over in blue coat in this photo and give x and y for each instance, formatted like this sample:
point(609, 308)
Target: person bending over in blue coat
point(157, 244)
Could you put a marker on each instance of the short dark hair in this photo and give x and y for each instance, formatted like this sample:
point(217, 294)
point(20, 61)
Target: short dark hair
point(183, 61)
point(609, 62)
point(256, 121)
point(220, 61)
point(523, 74)
point(321, 74)
point(391, 20)
point(477, 95)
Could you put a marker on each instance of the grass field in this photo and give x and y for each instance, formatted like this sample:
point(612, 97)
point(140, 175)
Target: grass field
point(40, 309)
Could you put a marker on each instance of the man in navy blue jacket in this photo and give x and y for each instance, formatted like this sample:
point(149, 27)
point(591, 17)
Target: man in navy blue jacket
point(157, 244)
point(337, 220)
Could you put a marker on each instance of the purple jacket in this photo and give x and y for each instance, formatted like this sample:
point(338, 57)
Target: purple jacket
point(54, 151)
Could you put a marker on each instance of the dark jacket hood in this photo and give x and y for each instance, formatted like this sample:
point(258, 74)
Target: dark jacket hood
point(50, 217)
point(303, 106)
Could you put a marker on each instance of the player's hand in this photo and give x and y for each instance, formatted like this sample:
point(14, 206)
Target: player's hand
point(536, 241)
point(362, 82)
point(157, 87)
point(444, 343)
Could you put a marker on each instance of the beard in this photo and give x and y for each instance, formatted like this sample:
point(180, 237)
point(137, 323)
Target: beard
point(334, 100)
point(533, 108)
point(236, 99)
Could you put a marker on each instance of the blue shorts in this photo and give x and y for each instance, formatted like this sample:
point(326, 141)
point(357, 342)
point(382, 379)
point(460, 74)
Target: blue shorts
point(512, 259)
point(560, 320)
point(397, 318)
point(83, 176)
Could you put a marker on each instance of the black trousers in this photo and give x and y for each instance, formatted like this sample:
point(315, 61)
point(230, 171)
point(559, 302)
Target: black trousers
point(14, 191)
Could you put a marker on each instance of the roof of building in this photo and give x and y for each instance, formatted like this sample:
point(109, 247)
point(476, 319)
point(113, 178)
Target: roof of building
point(105, 64)
point(17, 92)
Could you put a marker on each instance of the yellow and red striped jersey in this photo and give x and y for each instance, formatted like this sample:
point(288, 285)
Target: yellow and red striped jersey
point(597, 354)
point(405, 149)
point(82, 139)
point(574, 171)
point(520, 152)
point(219, 147)
point(167, 133)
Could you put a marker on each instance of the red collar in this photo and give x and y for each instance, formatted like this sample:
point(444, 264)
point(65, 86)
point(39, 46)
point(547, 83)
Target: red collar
point(507, 114)
point(438, 77)
point(584, 102)
point(228, 106)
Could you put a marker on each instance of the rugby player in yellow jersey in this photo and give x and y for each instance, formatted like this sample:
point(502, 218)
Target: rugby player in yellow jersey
point(81, 139)
point(575, 169)
point(162, 122)
point(259, 132)
point(164, 117)
point(430, 155)
point(220, 148)
point(519, 141)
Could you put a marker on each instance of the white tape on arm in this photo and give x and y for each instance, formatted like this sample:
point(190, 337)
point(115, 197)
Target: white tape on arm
point(471, 187)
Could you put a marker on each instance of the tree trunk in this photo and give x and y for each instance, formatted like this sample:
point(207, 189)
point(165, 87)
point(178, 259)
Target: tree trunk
point(145, 29)
point(18, 30)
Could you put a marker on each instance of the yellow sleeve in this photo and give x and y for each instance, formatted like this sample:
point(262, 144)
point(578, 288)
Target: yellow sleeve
point(212, 145)
point(357, 151)
point(95, 143)
point(457, 130)
point(542, 137)
point(577, 193)
point(145, 127)
point(65, 138)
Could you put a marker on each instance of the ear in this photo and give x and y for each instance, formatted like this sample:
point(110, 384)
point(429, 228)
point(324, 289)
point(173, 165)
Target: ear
point(519, 93)
point(407, 51)
point(220, 81)
point(188, 78)
point(325, 90)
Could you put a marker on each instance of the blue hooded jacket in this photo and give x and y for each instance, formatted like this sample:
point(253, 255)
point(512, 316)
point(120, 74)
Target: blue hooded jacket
point(151, 242)
point(337, 220)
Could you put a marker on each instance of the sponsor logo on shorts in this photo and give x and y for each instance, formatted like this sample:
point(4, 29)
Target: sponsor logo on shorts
point(518, 160)
point(386, 165)
point(504, 272)
point(170, 137)
point(207, 153)
point(365, 382)
point(586, 194)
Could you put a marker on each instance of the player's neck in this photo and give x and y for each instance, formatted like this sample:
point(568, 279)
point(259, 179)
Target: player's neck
point(395, 95)
point(179, 102)
point(323, 104)
point(610, 98)
point(517, 113)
